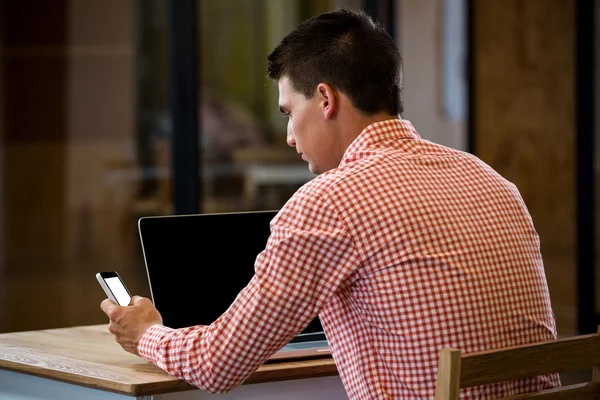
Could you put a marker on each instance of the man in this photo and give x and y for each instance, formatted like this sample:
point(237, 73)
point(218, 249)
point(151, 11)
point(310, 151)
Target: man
point(401, 246)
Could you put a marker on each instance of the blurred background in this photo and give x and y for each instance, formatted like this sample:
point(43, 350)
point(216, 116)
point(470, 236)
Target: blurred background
point(111, 110)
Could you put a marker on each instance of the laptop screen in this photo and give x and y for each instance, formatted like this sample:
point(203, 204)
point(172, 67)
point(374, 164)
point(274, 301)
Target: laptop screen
point(197, 264)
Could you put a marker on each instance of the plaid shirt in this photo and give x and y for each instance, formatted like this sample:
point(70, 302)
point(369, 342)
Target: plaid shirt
point(404, 249)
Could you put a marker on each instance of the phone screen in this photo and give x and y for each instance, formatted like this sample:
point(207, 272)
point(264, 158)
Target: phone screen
point(116, 287)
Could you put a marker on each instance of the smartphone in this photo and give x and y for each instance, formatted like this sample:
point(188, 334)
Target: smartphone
point(114, 287)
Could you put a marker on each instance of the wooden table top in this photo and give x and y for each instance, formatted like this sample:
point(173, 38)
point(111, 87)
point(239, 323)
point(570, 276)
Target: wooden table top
point(89, 356)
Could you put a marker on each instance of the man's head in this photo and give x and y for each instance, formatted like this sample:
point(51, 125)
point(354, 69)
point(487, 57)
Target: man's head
point(336, 72)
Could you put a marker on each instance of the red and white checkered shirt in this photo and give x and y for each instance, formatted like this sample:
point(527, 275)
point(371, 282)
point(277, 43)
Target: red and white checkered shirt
point(404, 249)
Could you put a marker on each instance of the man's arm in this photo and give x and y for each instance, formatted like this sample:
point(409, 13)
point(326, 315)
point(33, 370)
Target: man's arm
point(305, 261)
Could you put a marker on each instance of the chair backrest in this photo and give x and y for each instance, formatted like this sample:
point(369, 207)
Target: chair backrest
point(457, 371)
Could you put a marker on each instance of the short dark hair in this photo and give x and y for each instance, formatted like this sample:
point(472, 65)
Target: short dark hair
point(348, 50)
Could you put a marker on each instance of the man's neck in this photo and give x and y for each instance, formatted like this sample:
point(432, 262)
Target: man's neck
point(372, 119)
point(361, 121)
point(357, 123)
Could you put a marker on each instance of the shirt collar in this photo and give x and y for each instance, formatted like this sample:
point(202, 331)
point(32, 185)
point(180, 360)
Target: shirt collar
point(380, 134)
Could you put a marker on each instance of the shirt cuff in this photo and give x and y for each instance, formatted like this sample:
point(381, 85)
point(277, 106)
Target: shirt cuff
point(148, 346)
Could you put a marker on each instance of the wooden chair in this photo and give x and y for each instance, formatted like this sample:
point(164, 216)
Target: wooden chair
point(456, 370)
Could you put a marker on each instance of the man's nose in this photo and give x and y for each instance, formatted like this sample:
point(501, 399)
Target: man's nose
point(290, 139)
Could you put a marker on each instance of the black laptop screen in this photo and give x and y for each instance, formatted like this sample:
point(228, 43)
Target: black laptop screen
point(197, 264)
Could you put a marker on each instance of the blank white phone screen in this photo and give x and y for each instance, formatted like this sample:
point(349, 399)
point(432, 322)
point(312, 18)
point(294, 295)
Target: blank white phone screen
point(116, 287)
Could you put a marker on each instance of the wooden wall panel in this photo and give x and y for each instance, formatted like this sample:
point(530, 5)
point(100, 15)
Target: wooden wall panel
point(3, 305)
point(34, 128)
point(66, 129)
point(524, 121)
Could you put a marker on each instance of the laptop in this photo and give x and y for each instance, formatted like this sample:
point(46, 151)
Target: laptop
point(197, 264)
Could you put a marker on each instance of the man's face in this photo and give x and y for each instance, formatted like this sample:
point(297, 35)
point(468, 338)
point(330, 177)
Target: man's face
point(308, 130)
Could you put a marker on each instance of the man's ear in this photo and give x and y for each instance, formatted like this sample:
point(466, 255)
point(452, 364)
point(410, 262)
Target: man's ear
point(328, 100)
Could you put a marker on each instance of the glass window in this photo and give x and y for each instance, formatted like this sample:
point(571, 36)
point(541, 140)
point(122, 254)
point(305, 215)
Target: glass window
point(86, 133)
point(247, 164)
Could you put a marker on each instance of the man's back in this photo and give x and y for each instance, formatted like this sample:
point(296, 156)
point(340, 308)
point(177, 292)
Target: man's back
point(446, 256)
point(402, 247)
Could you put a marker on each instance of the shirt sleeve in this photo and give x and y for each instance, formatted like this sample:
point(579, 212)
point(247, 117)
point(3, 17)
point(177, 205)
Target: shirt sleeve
point(308, 256)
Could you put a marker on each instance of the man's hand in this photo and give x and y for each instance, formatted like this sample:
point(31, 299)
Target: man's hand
point(128, 324)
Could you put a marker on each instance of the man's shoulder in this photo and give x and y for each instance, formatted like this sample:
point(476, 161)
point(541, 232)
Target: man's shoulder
point(324, 183)
point(319, 192)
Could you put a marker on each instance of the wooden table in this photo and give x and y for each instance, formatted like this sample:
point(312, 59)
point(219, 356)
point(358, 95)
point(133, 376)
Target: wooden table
point(86, 363)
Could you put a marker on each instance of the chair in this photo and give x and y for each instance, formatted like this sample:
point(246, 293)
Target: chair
point(456, 370)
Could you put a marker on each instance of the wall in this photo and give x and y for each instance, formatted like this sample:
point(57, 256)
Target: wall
point(67, 137)
point(524, 122)
point(420, 39)
point(68, 125)
point(523, 115)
